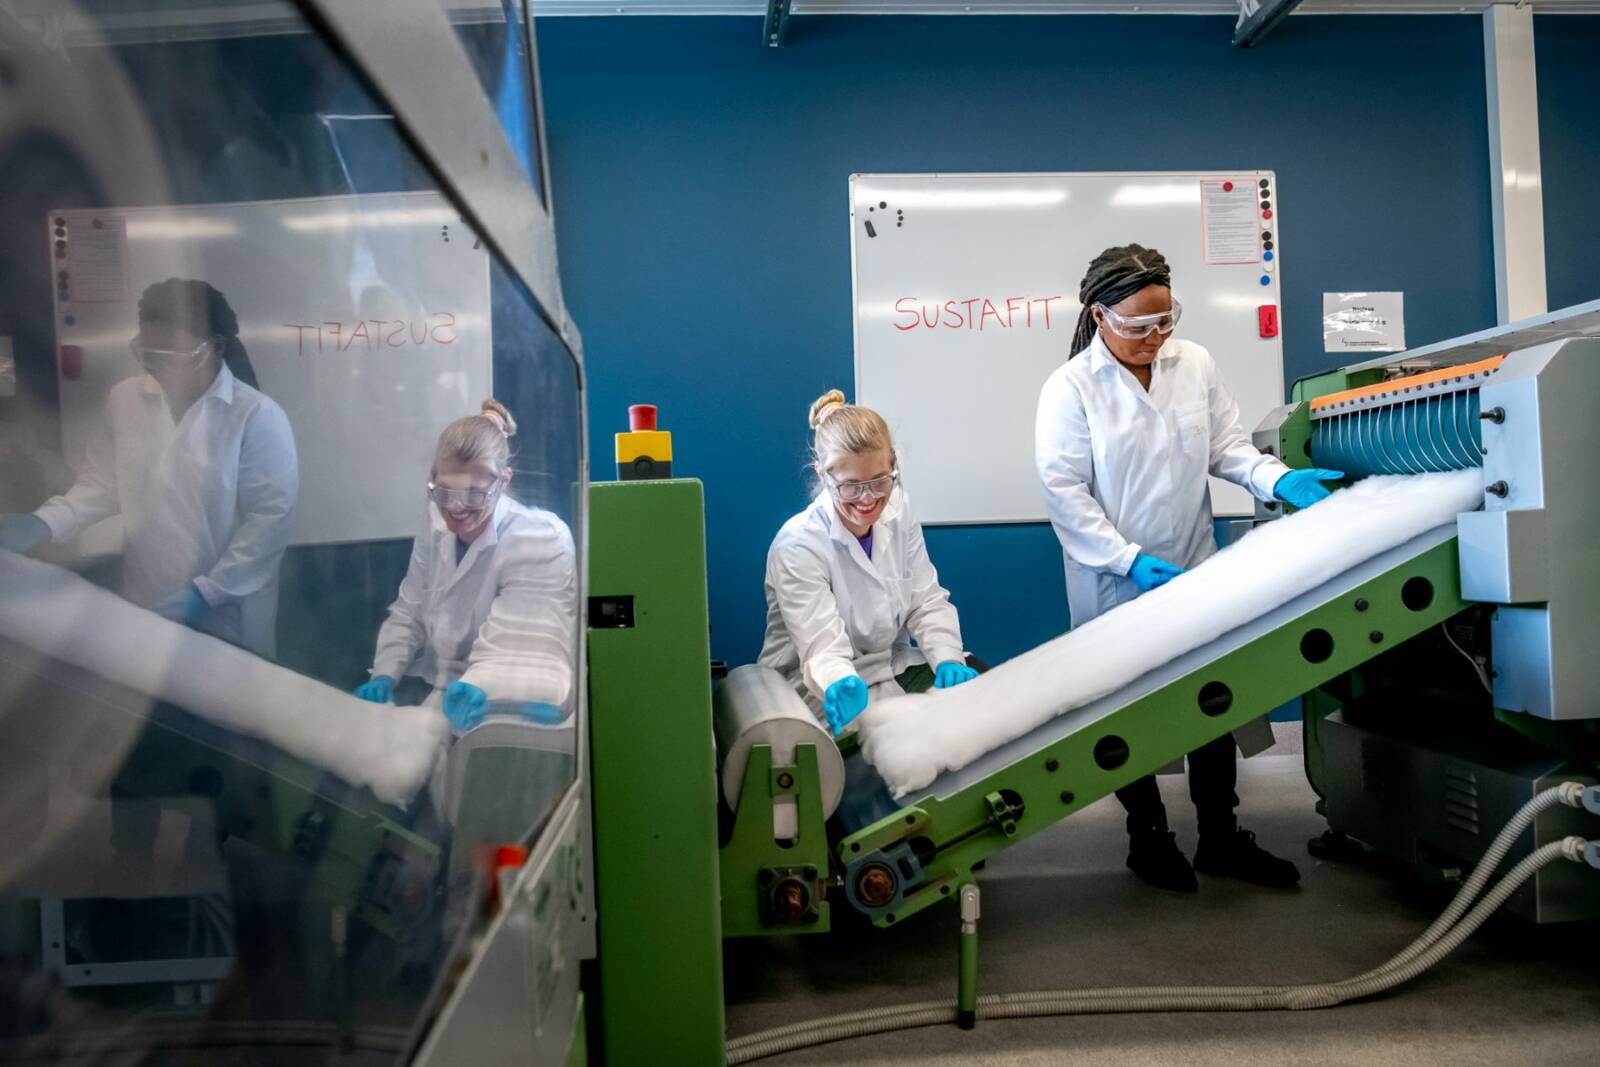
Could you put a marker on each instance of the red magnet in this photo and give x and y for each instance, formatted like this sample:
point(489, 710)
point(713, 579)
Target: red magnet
point(1227, 187)
point(641, 417)
point(1267, 317)
point(1267, 214)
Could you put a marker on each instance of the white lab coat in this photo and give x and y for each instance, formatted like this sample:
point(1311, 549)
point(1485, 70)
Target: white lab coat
point(504, 619)
point(1124, 470)
point(833, 612)
point(205, 502)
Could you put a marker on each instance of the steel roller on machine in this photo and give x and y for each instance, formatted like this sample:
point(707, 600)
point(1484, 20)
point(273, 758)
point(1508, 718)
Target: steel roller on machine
point(1408, 426)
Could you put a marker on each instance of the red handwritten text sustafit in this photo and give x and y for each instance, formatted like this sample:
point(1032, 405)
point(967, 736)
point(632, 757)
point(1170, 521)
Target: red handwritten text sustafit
point(976, 313)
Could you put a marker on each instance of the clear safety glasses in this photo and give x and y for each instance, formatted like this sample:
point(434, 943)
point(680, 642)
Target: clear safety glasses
point(1138, 327)
point(149, 357)
point(876, 487)
point(461, 499)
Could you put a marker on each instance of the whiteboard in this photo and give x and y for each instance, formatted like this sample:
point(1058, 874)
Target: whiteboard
point(965, 300)
point(367, 318)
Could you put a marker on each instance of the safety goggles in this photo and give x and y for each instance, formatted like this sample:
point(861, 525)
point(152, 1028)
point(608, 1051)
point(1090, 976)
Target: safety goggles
point(1138, 327)
point(449, 499)
point(876, 487)
point(150, 358)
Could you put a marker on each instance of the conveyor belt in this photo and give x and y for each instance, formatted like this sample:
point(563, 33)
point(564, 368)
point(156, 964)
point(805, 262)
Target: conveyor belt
point(1027, 745)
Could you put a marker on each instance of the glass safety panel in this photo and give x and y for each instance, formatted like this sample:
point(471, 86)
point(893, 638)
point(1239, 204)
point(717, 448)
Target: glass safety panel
point(289, 548)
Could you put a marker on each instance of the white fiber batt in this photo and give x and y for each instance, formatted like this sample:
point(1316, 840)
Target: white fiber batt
point(911, 740)
point(389, 750)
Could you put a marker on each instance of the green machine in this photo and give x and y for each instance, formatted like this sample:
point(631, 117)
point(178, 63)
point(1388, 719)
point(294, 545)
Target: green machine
point(1395, 713)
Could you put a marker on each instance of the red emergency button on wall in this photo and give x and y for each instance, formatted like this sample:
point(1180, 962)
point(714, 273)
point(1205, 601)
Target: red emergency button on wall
point(1267, 316)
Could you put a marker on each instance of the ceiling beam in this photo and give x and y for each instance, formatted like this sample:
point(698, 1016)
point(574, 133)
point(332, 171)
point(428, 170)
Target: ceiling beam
point(775, 27)
point(1257, 19)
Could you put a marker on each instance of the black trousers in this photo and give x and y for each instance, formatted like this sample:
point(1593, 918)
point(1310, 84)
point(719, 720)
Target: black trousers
point(1213, 771)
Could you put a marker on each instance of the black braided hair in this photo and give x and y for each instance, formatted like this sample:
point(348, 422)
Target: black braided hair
point(203, 311)
point(1116, 274)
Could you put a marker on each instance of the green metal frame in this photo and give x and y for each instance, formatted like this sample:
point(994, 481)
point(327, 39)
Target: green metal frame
point(754, 865)
point(956, 832)
point(654, 775)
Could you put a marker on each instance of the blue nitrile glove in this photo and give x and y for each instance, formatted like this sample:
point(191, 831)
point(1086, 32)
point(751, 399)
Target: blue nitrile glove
point(1149, 573)
point(23, 531)
point(380, 690)
point(464, 705)
point(952, 673)
point(844, 700)
point(544, 714)
point(194, 608)
point(1302, 488)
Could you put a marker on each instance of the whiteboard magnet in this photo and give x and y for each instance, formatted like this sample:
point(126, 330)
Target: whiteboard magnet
point(1266, 279)
point(1227, 187)
point(1267, 319)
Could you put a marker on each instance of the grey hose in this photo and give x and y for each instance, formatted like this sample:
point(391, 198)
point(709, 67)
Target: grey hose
point(1442, 937)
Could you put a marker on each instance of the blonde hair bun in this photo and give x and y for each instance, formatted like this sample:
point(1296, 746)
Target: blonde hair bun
point(496, 412)
point(825, 405)
point(839, 429)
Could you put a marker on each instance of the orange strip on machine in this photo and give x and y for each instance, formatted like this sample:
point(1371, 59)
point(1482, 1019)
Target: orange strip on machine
point(1396, 385)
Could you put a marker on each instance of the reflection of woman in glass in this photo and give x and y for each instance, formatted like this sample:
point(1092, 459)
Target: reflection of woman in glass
point(201, 466)
point(489, 605)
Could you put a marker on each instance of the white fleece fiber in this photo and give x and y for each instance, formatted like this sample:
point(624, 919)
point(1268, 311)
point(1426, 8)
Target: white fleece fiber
point(389, 750)
point(911, 740)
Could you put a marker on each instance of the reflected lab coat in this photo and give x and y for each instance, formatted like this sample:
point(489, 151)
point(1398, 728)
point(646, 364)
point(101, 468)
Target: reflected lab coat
point(206, 500)
point(832, 611)
point(1124, 469)
point(504, 619)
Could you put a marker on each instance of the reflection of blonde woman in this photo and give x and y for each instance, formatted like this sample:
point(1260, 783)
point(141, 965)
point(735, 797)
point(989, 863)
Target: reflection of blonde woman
point(849, 583)
point(489, 605)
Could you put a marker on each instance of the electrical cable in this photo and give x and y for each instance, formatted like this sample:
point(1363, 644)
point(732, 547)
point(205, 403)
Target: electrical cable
point(1477, 668)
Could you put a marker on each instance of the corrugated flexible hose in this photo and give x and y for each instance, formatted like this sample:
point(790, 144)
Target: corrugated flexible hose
point(1454, 926)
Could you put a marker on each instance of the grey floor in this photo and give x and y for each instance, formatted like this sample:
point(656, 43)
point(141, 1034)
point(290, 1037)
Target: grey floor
point(1060, 910)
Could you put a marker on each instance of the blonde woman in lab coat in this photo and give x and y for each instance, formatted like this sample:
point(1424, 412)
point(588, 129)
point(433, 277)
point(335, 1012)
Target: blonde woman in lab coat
point(488, 607)
point(1127, 431)
point(849, 584)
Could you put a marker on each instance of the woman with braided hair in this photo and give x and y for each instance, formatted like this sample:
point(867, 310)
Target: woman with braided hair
point(1128, 429)
point(199, 464)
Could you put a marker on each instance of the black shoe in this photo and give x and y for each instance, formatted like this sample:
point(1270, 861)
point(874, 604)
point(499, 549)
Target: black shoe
point(1155, 858)
point(1238, 856)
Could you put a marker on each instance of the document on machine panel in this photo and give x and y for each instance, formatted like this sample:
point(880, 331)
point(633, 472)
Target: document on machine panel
point(1228, 216)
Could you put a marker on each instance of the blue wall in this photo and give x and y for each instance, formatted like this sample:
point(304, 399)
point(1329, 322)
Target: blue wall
point(1567, 57)
point(700, 197)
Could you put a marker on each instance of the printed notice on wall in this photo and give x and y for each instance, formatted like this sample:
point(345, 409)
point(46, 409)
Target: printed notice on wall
point(92, 258)
point(1228, 210)
point(1363, 322)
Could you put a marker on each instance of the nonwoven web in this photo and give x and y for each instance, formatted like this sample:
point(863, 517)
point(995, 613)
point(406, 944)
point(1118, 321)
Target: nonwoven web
point(390, 750)
point(911, 740)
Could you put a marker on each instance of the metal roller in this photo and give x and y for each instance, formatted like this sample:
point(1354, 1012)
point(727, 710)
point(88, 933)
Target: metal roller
point(1419, 424)
point(1440, 433)
point(755, 706)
